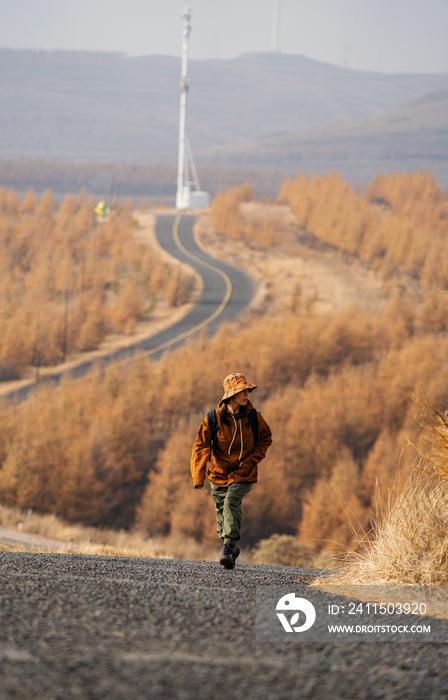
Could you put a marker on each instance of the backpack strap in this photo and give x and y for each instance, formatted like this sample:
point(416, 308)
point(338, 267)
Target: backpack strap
point(213, 425)
point(253, 420)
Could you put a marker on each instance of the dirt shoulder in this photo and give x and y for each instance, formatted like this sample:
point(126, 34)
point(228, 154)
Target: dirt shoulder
point(163, 316)
point(23, 538)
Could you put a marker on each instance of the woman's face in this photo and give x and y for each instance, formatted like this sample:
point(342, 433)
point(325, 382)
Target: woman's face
point(241, 398)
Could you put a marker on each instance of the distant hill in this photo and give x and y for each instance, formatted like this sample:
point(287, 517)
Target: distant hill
point(83, 106)
point(411, 137)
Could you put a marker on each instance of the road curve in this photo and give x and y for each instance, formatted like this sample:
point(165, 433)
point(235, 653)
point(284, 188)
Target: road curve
point(226, 292)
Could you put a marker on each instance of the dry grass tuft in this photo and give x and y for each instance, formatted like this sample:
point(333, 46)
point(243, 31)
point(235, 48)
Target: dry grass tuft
point(410, 545)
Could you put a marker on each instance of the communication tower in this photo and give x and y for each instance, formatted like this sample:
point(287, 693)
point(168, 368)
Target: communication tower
point(185, 197)
point(275, 25)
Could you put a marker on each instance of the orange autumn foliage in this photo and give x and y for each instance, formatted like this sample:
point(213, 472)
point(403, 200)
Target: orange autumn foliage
point(114, 448)
point(66, 280)
point(335, 388)
point(400, 222)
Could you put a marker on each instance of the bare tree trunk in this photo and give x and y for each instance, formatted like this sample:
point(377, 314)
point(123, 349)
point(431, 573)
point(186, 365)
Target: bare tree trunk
point(65, 329)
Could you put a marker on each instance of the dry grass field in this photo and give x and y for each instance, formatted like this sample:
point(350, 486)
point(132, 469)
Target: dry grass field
point(29, 531)
point(325, 278)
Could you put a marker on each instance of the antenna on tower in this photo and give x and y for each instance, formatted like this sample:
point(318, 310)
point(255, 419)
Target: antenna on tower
point(185, 198)
point(275, 25)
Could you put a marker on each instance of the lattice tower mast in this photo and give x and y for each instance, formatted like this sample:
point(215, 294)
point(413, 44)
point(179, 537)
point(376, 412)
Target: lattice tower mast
point(275, 24)
point(182, 195)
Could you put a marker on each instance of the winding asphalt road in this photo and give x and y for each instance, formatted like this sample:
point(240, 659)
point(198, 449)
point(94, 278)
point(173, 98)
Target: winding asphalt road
point(226, 291)
point(117, 628)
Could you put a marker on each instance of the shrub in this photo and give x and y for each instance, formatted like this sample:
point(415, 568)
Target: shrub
point(283, 550)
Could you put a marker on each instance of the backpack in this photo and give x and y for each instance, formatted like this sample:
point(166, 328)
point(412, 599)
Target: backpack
point(213, 425)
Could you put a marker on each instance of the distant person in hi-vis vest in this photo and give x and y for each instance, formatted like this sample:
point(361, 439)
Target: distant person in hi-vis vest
point(233, 439)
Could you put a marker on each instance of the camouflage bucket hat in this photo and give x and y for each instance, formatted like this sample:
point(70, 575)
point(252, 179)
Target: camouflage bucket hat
point(234, 383)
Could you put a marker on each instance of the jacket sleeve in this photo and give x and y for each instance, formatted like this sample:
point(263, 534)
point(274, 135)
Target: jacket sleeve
point(201, 453)
point(263, 442)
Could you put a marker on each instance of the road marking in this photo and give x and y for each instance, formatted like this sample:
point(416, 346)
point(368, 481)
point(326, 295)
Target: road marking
point(225, 277)
point(198, 327)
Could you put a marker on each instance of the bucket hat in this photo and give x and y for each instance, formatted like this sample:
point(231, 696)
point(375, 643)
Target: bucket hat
point(234, 383)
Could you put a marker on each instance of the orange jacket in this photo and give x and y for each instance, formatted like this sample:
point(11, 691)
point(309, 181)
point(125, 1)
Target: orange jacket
point(235, 442)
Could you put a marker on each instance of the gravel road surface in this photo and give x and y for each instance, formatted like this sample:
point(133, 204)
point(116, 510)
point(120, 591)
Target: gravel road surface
point(77, 626)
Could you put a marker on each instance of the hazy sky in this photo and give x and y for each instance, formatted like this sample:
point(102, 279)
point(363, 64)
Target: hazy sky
point(387, 35)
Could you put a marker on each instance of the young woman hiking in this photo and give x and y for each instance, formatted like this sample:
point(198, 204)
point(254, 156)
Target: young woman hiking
point(233, 439)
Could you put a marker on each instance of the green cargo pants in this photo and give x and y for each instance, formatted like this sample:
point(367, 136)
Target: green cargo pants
point(229, 514)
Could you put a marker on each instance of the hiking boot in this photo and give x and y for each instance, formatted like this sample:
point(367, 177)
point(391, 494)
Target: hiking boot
point(227, 560)
point(235, 552)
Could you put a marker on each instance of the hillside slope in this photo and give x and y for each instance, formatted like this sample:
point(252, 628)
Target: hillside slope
point(411, 137)
point(106, 106)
